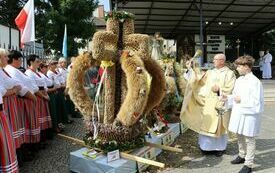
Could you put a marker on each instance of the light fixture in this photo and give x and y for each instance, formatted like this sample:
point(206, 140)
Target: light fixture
point(231, 23)
point(220, 23)
point(206, 22)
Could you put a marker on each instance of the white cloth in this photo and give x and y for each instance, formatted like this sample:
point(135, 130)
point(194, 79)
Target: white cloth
point(246, 116)
point(247, 147)
point(208, 143)
point(22, 78)
point(187, 74)
point(36, 78)
point(55, 78)
point(48, 81)
point(64, 73)
point(267, 70)
point(8, 83)
point(261, 64)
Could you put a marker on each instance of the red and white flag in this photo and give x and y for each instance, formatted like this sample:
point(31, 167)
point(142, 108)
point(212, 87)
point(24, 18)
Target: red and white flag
point(25, 22)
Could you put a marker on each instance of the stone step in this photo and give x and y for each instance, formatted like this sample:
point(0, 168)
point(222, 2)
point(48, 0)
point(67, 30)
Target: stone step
point(269, 99)
point(268, 82)
point(271, 89)
point(269, 94)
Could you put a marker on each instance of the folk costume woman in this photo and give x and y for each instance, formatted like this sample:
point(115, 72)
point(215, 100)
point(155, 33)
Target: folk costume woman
point(10, 101)
point(8, 160)
point(42, 107)
point(27, 103)
point(59, 96)
point(51, 90)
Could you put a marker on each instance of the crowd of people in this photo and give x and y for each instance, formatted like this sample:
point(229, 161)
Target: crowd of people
point(34, 105)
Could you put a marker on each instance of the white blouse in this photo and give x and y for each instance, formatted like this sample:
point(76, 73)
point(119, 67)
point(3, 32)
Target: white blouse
point(47, 80)
point(35, 76)
point(64, 73)
point(2, 92)
point(9, 82)
point(22, 78)
point(55, 78)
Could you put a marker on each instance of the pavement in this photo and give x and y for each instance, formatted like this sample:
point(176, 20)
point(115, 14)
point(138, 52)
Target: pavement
point(55, 158)
point(264, 159)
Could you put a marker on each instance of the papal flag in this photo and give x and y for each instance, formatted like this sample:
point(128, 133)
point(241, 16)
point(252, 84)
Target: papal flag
point(64, 46)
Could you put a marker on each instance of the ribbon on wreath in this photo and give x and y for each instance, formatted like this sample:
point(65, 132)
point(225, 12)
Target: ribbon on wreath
point(161, 118)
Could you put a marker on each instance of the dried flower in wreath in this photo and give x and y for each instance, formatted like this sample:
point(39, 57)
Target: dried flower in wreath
point(119, 15)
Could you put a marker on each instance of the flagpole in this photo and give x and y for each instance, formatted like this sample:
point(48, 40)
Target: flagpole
point(34, 47)
point(64, 45)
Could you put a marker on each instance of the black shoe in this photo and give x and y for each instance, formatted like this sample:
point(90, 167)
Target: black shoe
point(219, 153)
point(245, 169)
point(238, 160)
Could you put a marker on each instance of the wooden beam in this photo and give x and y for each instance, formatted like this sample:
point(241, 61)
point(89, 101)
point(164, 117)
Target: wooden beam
point(164, 147)
point(78, 141)
point(141, 160)
point(122, 154)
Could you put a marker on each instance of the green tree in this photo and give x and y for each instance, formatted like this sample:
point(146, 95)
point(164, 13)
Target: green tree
point(9, 9)
point(51, 17)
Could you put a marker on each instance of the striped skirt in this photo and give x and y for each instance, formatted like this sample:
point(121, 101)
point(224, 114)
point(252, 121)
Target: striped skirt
point(15, 119)
point(8, 161)
point(43, 111)
point(32, 126)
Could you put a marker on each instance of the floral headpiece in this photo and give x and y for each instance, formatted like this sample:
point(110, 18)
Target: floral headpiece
point(120, 15)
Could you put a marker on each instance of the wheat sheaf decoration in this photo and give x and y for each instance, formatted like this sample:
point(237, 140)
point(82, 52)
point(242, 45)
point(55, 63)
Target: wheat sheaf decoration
point(133, 84)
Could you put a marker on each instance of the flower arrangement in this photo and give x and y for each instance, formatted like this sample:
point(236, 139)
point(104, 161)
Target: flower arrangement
point(173, 102)
point(168, 57)
point(119, 15)
point(108, 146)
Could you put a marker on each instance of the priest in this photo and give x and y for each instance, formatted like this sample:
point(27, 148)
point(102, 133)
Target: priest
point(267, 70)
point(202, 109)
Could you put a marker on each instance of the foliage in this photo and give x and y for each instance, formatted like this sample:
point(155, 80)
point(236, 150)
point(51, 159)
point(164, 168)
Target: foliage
point(266, 39)
point(51, 17)
point(108, 146)
point(168, 57)
point(77, 14)
point(9, 9)
point(172, 102)
point(120, 15)
point(232, 67)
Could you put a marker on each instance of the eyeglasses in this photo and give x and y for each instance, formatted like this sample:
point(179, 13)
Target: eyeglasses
point(218, 59)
